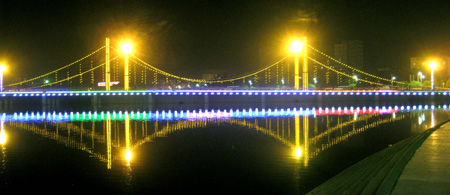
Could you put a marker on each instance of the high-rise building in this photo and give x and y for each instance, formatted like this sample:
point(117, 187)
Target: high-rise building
point(350, 52)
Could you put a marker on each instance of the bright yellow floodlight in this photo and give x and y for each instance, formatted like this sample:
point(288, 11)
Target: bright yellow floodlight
point(128, 155)
point(298, 152)
point(126, 48)
point(432, 65)
point(2, 68)
point(2, 137)
point(296, 46)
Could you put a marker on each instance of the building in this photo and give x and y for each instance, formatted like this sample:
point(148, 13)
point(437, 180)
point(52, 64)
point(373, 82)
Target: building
point(214, 74)
point(350, 52)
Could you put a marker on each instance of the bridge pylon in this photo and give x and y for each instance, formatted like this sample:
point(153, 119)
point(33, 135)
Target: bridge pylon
point(107, 67)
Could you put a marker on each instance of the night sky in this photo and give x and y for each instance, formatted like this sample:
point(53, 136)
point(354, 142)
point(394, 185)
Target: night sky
point(188, 37)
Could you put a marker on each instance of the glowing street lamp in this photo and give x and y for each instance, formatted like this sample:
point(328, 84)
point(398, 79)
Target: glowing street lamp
point(296, 46)
point(355, 77)
point(2, 69)
point(433, 66)
point(392, 80)
point(126, 49)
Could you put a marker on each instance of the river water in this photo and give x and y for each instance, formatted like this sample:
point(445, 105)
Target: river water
point(268, 151)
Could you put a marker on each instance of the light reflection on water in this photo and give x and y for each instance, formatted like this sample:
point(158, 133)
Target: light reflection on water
point(307, 135)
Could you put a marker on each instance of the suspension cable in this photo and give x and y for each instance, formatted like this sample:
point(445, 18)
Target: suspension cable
point(249, 74)
point(355, 69)
point(77, 75)
point(66, 66)
point(345, 74)
point(148, 66)
point(202, 80)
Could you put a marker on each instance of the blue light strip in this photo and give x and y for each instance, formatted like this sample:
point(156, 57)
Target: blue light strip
point(225, 92)
point(211, 114)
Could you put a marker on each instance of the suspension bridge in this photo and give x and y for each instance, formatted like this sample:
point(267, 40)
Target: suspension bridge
point(123, 78)
point(92, 71)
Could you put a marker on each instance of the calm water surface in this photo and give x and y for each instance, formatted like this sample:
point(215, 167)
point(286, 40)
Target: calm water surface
point(276, 151)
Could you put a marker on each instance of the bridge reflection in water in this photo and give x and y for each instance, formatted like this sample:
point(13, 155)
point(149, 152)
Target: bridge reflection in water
point(113, 136)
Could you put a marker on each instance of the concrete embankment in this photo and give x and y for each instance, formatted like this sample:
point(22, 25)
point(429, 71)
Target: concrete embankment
point(378, 173)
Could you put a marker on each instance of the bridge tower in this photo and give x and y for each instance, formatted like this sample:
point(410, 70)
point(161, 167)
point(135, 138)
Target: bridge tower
point(107, 69)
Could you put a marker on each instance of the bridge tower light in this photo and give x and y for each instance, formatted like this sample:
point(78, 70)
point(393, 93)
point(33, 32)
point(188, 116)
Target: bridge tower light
point(2, 69)
point(126, 49)
point(432, 66)
point(296, 47)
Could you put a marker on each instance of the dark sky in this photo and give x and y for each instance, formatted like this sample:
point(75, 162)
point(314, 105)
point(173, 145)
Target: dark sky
point(187, 37)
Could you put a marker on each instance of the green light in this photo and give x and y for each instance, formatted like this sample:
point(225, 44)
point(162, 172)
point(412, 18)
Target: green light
point(46, 81)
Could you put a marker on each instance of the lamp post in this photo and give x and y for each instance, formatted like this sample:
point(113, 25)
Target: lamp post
point(392, 80)
point(126, 49)
point(296, 47)
point(432, 66)
point(2, 69)
point(419, 78)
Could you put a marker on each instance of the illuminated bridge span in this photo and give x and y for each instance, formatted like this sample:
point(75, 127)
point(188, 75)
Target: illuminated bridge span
point(290, 127)
point(155, 100)
point(88, 73)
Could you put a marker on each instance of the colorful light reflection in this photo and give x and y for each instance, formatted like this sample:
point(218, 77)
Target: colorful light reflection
point(210, 114)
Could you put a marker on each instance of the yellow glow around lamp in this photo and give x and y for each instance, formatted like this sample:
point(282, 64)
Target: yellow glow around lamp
point(128, 155)
point(296, 46)
point(2, 68)
point(298, 152)
point(2, 137)
point(126, 48)
point(432, 65)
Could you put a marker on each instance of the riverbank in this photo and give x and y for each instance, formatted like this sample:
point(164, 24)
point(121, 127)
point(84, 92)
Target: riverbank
point(380, 172)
